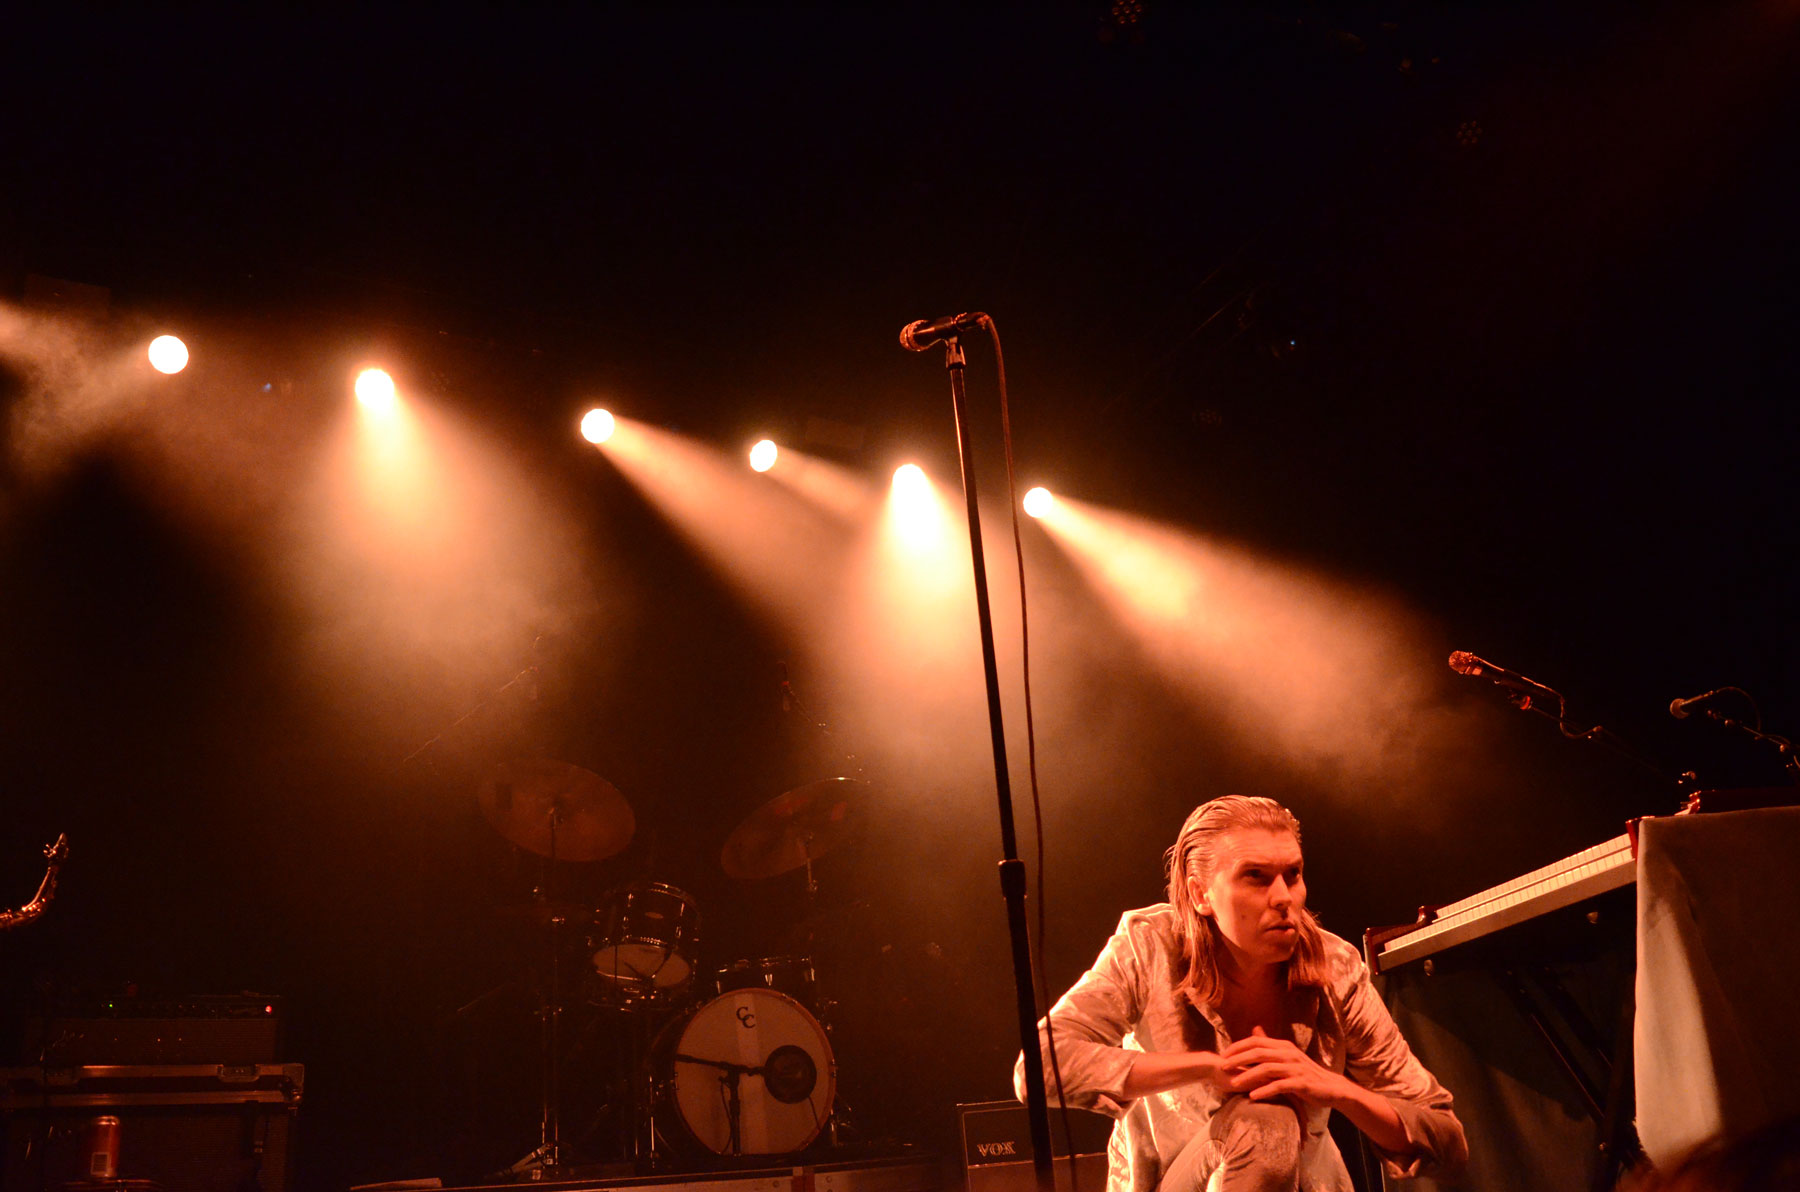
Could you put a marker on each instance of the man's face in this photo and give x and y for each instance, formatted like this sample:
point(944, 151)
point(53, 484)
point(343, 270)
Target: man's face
point(1256, 895)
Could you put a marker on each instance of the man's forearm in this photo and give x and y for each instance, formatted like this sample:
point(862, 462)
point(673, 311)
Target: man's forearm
point(1158, 1071)
point(1375, 1116)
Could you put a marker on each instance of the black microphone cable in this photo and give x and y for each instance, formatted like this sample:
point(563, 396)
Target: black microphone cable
point(1037, 804)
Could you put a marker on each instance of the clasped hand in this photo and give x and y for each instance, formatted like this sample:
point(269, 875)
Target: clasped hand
point(1262, 1067)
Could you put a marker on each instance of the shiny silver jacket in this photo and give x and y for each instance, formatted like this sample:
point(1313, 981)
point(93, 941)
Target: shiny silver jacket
point(1127, 1004)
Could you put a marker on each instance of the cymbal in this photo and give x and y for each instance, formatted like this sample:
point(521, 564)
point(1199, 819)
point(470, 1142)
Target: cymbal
point(524, 795)
point(791, 829)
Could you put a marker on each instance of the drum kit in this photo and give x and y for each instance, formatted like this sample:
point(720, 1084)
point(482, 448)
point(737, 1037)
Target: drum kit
point(734, 1061)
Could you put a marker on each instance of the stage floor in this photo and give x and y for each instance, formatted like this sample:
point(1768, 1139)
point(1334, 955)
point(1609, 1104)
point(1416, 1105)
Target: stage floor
point(922, 1173)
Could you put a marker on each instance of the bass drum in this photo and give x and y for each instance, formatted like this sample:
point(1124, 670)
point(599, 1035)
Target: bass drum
point(780, 1058)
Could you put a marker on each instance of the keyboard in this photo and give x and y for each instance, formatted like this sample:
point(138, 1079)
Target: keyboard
point(1586, 874)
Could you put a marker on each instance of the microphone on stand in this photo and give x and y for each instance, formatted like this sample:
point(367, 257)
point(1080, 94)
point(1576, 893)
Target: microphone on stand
point(922, 333)
point(1465, 663)
point(788, 699)
point(1679, 708)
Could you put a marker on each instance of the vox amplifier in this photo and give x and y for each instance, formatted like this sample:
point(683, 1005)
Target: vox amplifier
point(998, 1155)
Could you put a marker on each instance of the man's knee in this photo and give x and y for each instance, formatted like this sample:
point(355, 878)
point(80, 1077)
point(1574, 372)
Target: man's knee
point(1265, 1135)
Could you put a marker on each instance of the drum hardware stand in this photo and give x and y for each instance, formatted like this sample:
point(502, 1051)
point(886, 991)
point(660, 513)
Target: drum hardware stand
point(791, 701)
point(789, 832)
point(629, 1107)
point(781, 1085)
point(524, 798)
point(546, 1161)
point(822, 1005)
point(641, 1111)
point(1012, 869)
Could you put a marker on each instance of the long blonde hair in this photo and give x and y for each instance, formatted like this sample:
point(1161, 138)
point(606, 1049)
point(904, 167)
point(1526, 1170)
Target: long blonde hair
point(1196, 855)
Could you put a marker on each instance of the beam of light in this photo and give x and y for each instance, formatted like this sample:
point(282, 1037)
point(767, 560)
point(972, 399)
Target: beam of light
point(913, 582)
point(426, 558)
point(1038, 501)
point(916, 514)
point(1149, 574)
point(780, 551)
point(74, 380)
point(834, 489)
point(900, 650)
point(918, 519)
point(597, 425)
point(168, 355)
point(762, 456)
point(1318, 672)
point(862, 608)
point(376, 393)
point(396, 474)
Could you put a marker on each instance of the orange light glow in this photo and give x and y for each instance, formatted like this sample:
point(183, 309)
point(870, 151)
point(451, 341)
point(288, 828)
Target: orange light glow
point(762, 456)
point(396, 472)
point(907, 623)
point(432, 553)
point(1039, 502)
point(597, 425)
point(771, 543)
point(916, 515)
point(1152, 575)
point(833, 489)
point(375, 390)
point(168, 355)
point(1330, 673)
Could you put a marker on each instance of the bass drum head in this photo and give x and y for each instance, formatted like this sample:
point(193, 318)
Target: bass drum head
point(782, 1106)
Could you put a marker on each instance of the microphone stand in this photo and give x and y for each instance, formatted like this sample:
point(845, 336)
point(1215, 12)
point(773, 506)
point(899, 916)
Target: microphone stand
point(1523, 693)
point(1012, 869)
point(1572, 729)
point(730, 1075)
point(1789, 758)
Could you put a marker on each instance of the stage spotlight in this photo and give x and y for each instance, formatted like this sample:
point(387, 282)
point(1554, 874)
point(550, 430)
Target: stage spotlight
point(915, 513)
point(597, 425)
point(762, 456)
point(1038, 501)
point(168, 355)
point(375, 390)
point(910, 481)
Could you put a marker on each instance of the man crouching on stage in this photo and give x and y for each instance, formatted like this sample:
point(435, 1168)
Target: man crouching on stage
point(1220, 1029)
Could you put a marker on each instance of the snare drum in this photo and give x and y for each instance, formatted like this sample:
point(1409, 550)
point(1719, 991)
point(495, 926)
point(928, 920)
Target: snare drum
point(779, 1057)
point(792, 975)
point(646, 940)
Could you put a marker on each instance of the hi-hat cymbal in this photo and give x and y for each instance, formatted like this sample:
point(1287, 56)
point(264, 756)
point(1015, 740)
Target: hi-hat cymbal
point(791, 829)
point(531, 800)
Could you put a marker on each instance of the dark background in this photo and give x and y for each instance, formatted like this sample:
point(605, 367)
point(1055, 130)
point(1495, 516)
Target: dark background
point(1488, 309)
